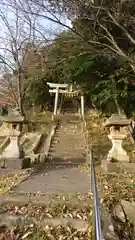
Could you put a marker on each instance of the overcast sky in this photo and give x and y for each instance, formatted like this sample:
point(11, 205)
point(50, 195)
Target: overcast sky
point(48, 28)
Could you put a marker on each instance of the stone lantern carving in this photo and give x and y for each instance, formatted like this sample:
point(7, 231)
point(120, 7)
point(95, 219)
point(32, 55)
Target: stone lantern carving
point(118, 132)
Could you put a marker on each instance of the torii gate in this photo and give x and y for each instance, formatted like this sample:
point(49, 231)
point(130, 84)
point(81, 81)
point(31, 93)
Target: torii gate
point(67, 90)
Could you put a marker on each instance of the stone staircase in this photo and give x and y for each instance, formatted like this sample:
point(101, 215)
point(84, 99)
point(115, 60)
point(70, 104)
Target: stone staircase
point(62, 173)
point(68, 144)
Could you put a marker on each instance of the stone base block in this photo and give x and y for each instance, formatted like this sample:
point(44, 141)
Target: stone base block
point(117, 167)
point(15, 163)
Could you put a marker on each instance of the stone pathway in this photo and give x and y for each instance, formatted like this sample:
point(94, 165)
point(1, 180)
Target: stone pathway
point(63, 175)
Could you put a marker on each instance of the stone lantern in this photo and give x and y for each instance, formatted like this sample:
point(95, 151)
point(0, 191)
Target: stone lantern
point(118, 132)
point(13, 155)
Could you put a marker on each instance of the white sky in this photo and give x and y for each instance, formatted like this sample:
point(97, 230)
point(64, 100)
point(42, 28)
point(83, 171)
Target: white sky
point(48, 28)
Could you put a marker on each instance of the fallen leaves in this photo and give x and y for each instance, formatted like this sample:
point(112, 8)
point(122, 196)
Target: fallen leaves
point(26, 235)
point(82, 212)
point(29, 231)
point(113, 187)
point(42, 229)
point(12, 178)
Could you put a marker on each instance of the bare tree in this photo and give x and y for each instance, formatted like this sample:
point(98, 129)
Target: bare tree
point(14, 42)
point(101, 17)
point(8, 89)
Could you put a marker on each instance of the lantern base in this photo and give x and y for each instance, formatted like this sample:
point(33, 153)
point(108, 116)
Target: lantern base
point(117, 167)
point(117, 153)
point(15, 163)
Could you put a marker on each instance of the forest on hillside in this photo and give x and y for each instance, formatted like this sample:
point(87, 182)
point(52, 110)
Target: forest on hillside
point(92, 46)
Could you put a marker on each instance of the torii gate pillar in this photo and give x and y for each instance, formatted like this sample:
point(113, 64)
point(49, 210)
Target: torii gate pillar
point(82, 107)
point(56, 102)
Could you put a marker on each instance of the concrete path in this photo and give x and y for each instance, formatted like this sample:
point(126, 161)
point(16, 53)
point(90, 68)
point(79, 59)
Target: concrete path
point(57, 180)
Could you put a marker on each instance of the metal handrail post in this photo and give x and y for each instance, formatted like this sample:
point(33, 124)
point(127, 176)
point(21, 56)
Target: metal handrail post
point(94, 189)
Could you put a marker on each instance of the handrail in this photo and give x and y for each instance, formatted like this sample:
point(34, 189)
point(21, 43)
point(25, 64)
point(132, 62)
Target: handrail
point(94, 189)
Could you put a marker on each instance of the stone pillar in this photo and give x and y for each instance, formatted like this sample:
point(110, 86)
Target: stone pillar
point(82, 107)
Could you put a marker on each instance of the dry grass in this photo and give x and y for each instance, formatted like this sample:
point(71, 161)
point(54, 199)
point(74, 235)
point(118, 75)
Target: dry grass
point(12, 178)
point(98, 138)
point(40, 122)
point(32, 232)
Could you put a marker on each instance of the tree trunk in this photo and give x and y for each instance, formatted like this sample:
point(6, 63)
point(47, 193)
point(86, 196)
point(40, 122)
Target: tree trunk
point(20, 97)
point(33, 109)
point(118, 108)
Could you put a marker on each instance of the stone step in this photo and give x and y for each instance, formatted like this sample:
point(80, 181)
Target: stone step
point(67, 158)
point(70, 142)
point(74, 134)
point(67, 137)
point(54, 155)
point(69, 151)
point(62, 146)
point(71, 131)
point(66, 147)
point(69, 161)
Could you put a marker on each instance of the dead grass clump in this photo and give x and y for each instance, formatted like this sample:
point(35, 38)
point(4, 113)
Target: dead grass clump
point(98, 138)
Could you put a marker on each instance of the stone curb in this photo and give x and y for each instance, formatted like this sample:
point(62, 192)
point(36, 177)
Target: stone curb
point(37, 143)
point(49, 139)
point(41, 157)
